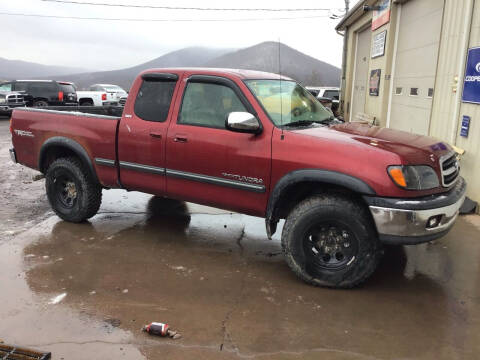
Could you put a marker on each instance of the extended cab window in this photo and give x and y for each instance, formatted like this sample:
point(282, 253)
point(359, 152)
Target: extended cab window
point(153, 100)
point(206, 104)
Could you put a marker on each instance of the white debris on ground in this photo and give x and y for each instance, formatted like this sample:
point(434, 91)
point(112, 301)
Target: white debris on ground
point(57, 299)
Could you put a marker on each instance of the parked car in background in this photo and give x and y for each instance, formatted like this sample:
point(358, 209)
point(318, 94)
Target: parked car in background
point(329, 92)
point(123, 100)
point(330, 97)
point(101, 95)
point(42, 93)
point(313, 90)
point(95, 98)
point(10, 100)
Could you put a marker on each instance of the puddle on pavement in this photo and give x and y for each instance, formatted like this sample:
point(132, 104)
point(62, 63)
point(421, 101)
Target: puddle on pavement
point(215, 277)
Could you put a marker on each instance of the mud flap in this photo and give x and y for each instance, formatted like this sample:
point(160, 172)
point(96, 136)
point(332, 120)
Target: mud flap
point(271, 226)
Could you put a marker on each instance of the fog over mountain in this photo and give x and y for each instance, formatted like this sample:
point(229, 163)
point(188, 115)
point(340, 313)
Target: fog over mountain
point(191, 57)
point(263, 56)
point(290, 62)
point(17, 69)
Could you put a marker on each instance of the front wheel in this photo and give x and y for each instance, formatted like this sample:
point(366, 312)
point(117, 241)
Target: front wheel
point(72, 194)
point(330, 240)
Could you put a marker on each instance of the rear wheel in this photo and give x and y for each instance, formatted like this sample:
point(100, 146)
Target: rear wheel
point(40, 103)
point(73, 195)
point(330, 240)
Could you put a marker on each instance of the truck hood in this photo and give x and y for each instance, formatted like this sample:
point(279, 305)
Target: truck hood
point(411, 148)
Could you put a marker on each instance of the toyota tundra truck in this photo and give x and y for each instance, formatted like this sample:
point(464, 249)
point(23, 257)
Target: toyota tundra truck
point(258, 144)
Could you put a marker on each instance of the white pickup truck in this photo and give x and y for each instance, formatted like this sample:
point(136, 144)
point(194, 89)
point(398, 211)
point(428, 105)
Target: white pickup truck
point(101, 95)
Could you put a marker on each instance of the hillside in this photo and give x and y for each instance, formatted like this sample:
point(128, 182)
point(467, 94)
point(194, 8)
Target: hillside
point(264, 57)
point(297, 65)
point(17, 69)
point(191, 56)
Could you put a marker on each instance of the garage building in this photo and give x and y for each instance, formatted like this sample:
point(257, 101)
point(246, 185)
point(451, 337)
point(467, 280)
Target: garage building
point(414, 65)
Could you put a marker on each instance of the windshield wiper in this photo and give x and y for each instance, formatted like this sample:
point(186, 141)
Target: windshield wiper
point(300, 123)
point(327, 120)
point(310, 122)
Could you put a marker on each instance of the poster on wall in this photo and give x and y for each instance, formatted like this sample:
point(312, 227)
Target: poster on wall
point(471, 83)
point(374, 83)
point(381, 16)
point(378, 45)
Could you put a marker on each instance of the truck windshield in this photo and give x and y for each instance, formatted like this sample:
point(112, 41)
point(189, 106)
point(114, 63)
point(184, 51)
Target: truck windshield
point(287, 103)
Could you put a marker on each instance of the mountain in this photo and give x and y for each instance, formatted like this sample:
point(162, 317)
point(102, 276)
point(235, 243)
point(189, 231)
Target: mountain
point(17, 69)
point(187, 57)
point(265, 57)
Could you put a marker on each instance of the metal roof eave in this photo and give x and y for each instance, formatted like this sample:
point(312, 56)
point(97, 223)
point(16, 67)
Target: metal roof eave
point(354, 13)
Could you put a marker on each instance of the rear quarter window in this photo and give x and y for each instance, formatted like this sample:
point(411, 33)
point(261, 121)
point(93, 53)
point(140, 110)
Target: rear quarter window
point(153, 100)
point(21, 86)
point(66, 88)
point(40, 87)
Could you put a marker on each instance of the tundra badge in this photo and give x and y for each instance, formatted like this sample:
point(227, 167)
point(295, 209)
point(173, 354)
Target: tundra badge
point(24, 133)
point(243, 178)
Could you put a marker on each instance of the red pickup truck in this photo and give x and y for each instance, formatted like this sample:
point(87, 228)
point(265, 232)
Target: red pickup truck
point(259, 144)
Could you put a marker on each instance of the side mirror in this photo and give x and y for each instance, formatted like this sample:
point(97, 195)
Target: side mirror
point(243, 122)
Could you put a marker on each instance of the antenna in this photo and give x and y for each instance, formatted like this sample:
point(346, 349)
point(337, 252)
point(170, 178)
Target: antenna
point(281, 94)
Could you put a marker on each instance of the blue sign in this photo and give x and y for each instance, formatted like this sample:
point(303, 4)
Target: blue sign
point(465, 126)
point(471, 84)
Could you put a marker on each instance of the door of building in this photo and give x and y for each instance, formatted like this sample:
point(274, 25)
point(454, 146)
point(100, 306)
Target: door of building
point(360, 85)
point(415, 65)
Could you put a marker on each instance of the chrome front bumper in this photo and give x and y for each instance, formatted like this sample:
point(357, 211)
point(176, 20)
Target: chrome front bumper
point(406, 221)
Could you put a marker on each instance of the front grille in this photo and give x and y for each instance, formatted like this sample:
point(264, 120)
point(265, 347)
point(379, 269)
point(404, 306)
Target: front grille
point(450, 169)
point(122, 101)
point(14, 99)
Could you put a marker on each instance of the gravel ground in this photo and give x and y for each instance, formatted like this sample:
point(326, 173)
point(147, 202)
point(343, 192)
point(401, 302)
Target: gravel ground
point(23, 202)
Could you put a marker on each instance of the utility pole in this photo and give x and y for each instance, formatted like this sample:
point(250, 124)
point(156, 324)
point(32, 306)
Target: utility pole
point(344, 64)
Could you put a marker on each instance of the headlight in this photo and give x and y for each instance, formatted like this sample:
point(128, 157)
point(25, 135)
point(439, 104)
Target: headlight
point(2, 100)
point(414, 177)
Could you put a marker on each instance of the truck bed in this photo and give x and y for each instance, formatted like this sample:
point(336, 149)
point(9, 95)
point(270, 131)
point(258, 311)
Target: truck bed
point(95, 133)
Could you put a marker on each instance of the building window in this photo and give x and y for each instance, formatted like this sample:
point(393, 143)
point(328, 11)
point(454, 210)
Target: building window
point(413, 91)
point(398, 91)
point(430, 92)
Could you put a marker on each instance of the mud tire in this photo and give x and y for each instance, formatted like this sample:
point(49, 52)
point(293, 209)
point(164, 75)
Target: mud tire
point(338, 209)
point(88, 192)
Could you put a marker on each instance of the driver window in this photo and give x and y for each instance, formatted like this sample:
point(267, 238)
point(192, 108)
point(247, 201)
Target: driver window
point(208, 105)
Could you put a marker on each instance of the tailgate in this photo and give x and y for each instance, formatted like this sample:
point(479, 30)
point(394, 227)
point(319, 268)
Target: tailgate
point(112, 96)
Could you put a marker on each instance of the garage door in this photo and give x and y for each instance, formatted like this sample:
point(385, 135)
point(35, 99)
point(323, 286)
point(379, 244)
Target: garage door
point(415, 65)
point(361, 72)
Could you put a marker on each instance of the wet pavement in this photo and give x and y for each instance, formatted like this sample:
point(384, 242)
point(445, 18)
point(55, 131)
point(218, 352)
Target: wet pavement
point(83, 291)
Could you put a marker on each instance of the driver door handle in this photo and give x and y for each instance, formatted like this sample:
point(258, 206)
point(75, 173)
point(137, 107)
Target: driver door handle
point(154, 134)
point(180, 138)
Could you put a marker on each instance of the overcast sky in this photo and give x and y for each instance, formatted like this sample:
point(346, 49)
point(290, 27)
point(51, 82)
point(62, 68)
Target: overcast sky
point(107, 45)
